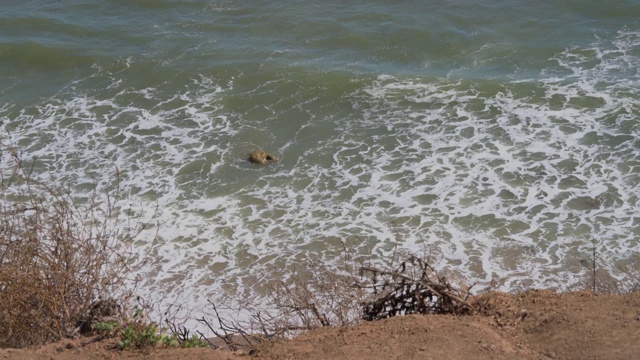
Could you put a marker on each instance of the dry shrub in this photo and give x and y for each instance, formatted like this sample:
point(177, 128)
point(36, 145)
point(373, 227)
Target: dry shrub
point(318, 297)
point(623, 278)
point(59, 260)
point(360, 288)
point(630, 276)
point(415, 287)
point(313, 295)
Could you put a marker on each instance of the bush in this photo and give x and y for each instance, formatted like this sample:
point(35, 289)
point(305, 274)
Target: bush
point(59, 259)
point(139, 332)
point(362, 287)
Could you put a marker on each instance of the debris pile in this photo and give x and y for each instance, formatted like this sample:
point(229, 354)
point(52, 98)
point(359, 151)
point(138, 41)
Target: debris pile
point(414, 287)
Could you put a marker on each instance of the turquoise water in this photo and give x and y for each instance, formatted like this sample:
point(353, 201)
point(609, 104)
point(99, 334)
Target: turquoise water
point(504, 133)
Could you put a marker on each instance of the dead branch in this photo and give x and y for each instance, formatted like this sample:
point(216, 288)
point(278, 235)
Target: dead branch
point(228, 332)
point(414, 287)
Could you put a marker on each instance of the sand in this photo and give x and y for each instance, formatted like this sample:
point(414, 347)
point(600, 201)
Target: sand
point(530, 325)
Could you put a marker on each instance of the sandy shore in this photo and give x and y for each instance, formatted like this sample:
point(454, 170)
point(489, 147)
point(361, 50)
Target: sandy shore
point(531, 325)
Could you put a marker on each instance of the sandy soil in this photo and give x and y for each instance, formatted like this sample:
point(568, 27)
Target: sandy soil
point(531, 325)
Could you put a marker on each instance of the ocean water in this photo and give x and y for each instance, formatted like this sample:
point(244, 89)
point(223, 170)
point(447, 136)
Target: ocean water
point(505, 134)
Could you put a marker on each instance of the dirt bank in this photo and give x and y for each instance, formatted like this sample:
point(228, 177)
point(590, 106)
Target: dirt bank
point(531, 325)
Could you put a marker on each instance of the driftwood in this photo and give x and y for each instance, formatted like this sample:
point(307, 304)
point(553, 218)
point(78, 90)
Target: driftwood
point(413, 288)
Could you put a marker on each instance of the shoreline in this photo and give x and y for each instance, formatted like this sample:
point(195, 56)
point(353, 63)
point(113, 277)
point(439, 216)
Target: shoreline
point(536, 324)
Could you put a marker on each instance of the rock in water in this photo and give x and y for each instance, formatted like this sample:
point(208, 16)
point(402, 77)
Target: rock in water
point(261, 157)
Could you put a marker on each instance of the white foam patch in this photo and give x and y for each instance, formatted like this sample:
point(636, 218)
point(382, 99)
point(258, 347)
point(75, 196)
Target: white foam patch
point(525, 147)
point(543, 166)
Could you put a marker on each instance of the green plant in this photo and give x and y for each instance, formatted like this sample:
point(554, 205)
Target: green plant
point(105, 328)
point(140, 332)
point(139, 335)
point(184, 337)
point(194, 341)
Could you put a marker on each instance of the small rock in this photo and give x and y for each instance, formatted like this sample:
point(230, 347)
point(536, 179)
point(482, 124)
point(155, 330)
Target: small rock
point(261, 157)
point(523, 314)
point(241, 352)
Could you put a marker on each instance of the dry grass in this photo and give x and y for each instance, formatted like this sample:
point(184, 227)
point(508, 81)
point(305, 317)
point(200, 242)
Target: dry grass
point(58, 259)
point(361, 288)
point(624, 278)
point(317, 297)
